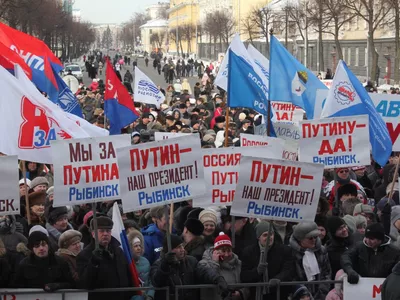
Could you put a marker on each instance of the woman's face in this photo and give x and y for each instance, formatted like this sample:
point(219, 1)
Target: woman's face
point(176, 115)
point(209, 228)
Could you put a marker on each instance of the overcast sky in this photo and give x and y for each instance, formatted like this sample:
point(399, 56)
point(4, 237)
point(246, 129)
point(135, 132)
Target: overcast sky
point(110, 11)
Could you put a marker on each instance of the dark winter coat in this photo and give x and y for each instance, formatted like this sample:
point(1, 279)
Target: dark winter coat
point(35, 272)
point(112, 272)
point(320, 291)
point(10, 237)
point(183, 274)
point(369, 263)
point(70, 258)
point(336, 247)
point(196, 248)
point(390, 289)
point(153, 241)
point(280, 266)
point(246, 238)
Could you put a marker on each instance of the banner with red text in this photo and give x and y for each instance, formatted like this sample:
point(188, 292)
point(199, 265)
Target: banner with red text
point(335, 142)
point(365, 289)
point(9, 191)
point(86, 170)
point(159, 136)
point(388, 106)
point(221, 172)
point(275, 189)
point(251, 140)
point(287, 112)
point(162, 172)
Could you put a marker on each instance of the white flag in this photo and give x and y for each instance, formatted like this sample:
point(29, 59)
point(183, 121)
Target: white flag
point(260, 64)
point(29, 120)
point(145, 90)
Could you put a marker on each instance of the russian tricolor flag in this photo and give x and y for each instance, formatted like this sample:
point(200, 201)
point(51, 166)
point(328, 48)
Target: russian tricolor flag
point(118, 232)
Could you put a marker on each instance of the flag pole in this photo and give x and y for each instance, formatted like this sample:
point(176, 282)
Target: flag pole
point(27, 209)
point(167, 229)
point(171, 216)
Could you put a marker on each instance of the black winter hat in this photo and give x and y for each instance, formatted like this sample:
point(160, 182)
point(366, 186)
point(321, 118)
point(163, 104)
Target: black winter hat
point(333, 223)
point(56, 213)
point(346, 189)
point(176, 240)
point(35, 238)
point(300, 291)
point(194, 213)
point(102, 223)
point(194, 226)
point(220, 119)
point(375, 231)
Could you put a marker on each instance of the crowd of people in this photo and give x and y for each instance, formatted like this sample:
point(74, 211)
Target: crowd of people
point(356, 232)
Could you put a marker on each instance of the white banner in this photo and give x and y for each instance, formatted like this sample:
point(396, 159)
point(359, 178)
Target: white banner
point(39, 294)
point(159, 173)
point(290, 150)
point(277, 189)
point(145, 89)
point(365, 289)
point(159, 136)
point(388, 106)
point(221, 171)
point(287, 131)
point(9, 191)
point(287, 112)
point(86, 170)
point(251, 140)
point(335, 142)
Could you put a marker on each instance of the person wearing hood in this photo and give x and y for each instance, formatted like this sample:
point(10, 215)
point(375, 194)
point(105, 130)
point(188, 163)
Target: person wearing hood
point(174, 268)
point(220, 266)
point(43, 269)
point(278, 266)
point(8, 234)
point(337, 292)
point(69, 245)
point(390, 289)
point(340, 241)
point(373, 257)
point(154, 234)
point(57, 224)
point(194, 241)
point(311, 258)
point(136, 243)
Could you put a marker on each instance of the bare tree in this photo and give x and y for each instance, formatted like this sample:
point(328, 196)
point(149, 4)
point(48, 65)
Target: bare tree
point(375, 13)
point(156, 39)
point(249, 28)
point(262, 18)
point(395, 22)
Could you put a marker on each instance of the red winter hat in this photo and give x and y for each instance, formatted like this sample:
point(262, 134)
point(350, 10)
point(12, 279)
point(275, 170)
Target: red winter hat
point(222, 240)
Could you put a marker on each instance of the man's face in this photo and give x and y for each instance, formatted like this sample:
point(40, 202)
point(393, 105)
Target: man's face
point(373, 243)
point(40, 187)
point(360, 173)
point(225, 253)
point(308, 243)
point(41, 250)
point(169, 122)
point(322, 231)
point(180, 252)
point(246, 125)
point(32, 166)
point(61, 224)
point(104, 236)
point(346, 197)
point(239, 224)
point(343, 174)
point(342, 231)
point(75, 247)
point(162, 223)
point(145, 121)
point(264, 237)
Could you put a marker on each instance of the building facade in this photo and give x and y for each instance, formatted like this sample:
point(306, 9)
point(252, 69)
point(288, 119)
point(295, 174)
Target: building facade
point(157, 11)
point(154, 35)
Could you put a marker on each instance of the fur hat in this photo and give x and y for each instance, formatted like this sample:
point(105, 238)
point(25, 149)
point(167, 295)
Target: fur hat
point(194, 226)
point(220, 119)
point(68, 238)
point(208, 215)
point(35, 238)
point(55, 213)
point(37, 198)
point(194, 213)
point(347, 189)
point(135, 234)
point(39, 181)
point(222, 240)
point(305, 230)
point(103, 222)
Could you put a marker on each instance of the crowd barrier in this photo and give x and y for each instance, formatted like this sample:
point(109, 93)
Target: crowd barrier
point(39, 294)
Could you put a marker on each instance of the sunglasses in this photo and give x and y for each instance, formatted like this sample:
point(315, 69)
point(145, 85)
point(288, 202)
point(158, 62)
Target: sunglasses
point(344, 171)
point(312, 238)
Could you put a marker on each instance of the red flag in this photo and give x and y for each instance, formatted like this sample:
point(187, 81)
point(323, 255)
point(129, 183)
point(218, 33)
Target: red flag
point(9, 58)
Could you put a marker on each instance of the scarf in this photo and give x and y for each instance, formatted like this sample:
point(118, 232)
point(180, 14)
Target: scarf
point(54, 232)
point(310, 265)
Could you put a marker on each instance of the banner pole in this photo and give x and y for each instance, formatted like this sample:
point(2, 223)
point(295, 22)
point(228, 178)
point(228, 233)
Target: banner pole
point(226, 124)
point(96, 234)
point(395, 177)
point(171, 216)
point(27, 209)
point(167, 228)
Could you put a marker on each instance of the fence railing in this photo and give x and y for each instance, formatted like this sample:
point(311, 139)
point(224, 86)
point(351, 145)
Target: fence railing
point(167, 290)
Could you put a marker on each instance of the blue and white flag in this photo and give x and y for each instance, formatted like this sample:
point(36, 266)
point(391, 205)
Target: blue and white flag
point(145, 90)
point(290, 81)
point(245, 87)
point(260, 63)
point(347, 97)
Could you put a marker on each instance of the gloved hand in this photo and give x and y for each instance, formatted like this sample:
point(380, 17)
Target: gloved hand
point(51, 287)
point(261, 268)
point(222, 287)
point(97, 256)
point(274, 282)
point(353, 277)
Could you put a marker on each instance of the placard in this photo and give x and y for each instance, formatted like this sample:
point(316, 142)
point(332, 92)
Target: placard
point(160, 173)
point(287, 131)
point(9, 191)
point(251, 140)
point(86, 170)
point(335, 142)
point(221, 172)
point(277, 189)
point(290, 150)
point(287, 112)
point(365, 289)
point(159, 136)
point(388, 106)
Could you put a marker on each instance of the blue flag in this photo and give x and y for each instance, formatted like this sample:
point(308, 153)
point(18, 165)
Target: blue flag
point(66, 99)
point(347, 97)
point(290, 81)
point(245, 87)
